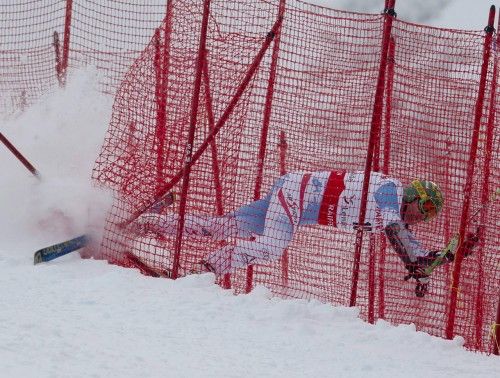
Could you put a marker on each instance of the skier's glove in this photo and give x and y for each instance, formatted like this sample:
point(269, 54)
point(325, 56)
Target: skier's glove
point(417, 271)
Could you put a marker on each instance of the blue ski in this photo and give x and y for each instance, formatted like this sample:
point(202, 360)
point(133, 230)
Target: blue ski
point(60, 249)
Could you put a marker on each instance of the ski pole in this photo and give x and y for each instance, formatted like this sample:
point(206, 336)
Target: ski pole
point(19, 156)
point(493, 198)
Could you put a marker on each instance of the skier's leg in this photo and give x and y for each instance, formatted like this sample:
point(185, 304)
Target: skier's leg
point(281, 219)
point(194, 225)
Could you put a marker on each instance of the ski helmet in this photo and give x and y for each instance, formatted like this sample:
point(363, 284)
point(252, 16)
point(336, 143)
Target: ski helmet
point(429, 196)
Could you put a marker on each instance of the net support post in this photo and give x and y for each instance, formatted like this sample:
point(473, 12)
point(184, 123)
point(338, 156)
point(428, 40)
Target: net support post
point(389, 15)
point(478, 113)
point(265, 126)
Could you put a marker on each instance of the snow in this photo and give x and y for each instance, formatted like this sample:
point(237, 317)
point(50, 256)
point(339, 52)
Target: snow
point(75, 318)
point(81, 318)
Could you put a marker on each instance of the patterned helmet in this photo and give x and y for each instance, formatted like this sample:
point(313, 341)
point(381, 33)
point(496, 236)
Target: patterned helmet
point(429, 196)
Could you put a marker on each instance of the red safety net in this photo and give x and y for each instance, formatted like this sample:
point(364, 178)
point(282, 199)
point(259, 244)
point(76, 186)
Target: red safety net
point(308, 107)
point(266, 96)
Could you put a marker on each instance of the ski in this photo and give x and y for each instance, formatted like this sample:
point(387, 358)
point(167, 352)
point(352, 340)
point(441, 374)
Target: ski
point(440, 258)
point(60, 249)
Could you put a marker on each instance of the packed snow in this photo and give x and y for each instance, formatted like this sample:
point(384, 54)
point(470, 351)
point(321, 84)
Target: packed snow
point(84, 318)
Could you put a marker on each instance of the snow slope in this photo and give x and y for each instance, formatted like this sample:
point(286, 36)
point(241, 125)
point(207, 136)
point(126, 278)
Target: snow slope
point(84, 318)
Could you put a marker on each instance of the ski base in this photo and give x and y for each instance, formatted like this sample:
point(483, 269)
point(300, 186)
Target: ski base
point(60, 249)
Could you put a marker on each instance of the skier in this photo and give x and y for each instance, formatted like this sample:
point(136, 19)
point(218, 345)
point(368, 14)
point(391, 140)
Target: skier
point(264, 228)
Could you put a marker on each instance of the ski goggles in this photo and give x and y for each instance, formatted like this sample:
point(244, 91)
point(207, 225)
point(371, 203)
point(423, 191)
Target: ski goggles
point(425, 203)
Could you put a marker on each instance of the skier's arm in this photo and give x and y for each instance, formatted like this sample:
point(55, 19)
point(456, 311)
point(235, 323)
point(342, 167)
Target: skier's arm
point(408, 248)
point(415, 258)
point(404, 242)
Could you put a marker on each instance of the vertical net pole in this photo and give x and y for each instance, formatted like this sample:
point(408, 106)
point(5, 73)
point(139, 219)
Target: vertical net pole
point(385, 168)
point(160, 99)
point(162, 67)
point(283, 146)
point(470, 173)
point(57, 52)
point(496, 332)
point(67, 34)
point(372, 245)
point(374, 134)
point(447, 209)
point(265, 128)
point(485, 197)
point(192, 128)
point(226, 281)
point(213, 146)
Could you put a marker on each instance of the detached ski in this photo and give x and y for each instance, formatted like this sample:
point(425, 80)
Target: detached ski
point(451, 248)
point(60, 249)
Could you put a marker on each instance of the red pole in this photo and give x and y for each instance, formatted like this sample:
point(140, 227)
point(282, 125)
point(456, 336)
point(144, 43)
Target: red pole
point(385, 169)
point(372, 239)
point(447, 209)
point(213, 146)
point(496, 331)
point(160, 98)
point(192, 128)
point(484, 199)
point(470, 173)
point(283, 146)
point(268, 108)
point(57, 51)
point(162, 67)
point(67, 33)
point(226, 281)
point(19, 156)
point(265, 127)
point(374, 135)
point(371, 278)
point(225, 115)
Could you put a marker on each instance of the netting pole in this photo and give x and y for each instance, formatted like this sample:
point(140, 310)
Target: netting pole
point(372, 242)
point(282, 148)
point(191, 134)
point(447, 209)
point(213, 145)
point(265, 127)
point(226, 280)
point(385, 168)
point(162, 68)
point(496, 331)
point(470, 173)
point(389, 14)
point(160, 99)
point(67, 33)
point(19, 156)
point(57, 52)
point(485, 197)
